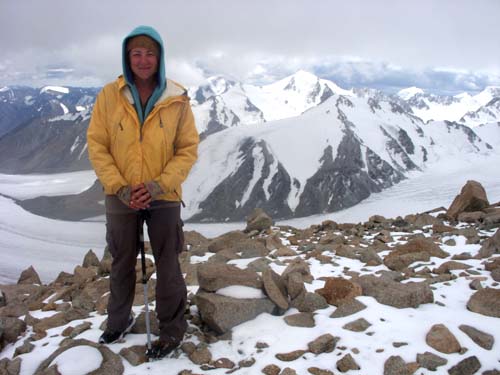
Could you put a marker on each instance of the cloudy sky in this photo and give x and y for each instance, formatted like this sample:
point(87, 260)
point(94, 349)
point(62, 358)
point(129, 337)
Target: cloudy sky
point(440, 45)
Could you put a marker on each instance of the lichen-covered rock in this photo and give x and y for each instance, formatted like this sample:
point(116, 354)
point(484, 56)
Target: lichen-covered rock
point(338, 290)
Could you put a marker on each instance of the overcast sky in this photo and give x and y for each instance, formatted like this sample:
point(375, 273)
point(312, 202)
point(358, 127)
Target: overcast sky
point(437, 44)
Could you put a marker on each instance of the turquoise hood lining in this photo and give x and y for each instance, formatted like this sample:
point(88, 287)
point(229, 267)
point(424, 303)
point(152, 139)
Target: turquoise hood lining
point(127, 72)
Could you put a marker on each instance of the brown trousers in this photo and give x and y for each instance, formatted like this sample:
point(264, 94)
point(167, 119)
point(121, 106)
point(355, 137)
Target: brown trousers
point(165, 233)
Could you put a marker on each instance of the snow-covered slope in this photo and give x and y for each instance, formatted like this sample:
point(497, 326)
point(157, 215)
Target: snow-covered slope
point(329, 158)
point(485, 114)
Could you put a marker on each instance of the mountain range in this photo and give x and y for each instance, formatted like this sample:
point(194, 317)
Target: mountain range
point(297, 147)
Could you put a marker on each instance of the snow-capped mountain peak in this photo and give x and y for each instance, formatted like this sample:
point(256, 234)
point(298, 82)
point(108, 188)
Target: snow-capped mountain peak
point(485, 96)
point(219, 84)
point(409, 92)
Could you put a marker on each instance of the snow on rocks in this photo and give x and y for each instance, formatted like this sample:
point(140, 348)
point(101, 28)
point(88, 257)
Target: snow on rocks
point(389, 296)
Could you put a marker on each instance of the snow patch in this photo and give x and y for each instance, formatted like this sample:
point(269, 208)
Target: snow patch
point(59, 89)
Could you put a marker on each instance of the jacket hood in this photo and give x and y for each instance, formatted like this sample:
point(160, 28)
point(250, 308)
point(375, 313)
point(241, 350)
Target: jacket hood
point(153, 34)
point(128, 75)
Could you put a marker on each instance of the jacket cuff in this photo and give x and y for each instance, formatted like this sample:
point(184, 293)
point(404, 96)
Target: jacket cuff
point(124, 194)
point(154, 189)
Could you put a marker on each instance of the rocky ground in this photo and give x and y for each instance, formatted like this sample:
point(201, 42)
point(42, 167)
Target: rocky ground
point(412, 295)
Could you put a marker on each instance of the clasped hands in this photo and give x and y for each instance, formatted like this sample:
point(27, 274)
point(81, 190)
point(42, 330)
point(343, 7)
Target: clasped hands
point(140, 197)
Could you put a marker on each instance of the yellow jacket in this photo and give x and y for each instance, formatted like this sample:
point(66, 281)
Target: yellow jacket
point(123, 153)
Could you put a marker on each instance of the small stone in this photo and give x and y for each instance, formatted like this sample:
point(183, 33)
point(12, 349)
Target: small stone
point(475, 284)
point(291, 356)
point(323, 344)
point(27, 347)
point(318, 371)
point(399, 344)
point(201, 355)
point(300, 320)
point(395, 365)
point(271, 370)
point(135, 355)
point(188, 347)
point(347, 363)
point(223, 363)
point(288, 371)
point(309, 302)
point(431, 361)
point(348, 308)
point(247, 362)
point(261, 345)
point(483, 339)
point(358, 325)
point(442, 340)
point(285, 252)
point(467, 366)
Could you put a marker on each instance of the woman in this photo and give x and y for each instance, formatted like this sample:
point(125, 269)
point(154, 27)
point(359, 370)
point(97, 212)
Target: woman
point(142, 143)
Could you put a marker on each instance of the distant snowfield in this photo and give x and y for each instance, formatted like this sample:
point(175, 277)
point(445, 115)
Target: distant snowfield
point(36, 185)
point(52, 246)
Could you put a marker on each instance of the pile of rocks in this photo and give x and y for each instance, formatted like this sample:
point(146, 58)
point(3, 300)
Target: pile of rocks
point(214, 311)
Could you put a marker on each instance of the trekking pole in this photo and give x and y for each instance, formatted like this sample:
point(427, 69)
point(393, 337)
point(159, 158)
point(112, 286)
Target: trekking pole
point(140, 233)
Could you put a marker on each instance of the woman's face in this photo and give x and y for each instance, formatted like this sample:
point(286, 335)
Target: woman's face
point(143, 63)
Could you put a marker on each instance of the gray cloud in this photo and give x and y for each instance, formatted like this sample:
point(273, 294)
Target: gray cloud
point(371, 40)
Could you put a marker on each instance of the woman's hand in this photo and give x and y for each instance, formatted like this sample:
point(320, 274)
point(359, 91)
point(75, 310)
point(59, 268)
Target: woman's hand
point(140, 198)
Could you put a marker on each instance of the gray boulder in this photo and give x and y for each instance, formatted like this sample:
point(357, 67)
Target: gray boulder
point(472, 198)
point(490, 246)
point(483, 339)
point(222, 313)
point(486, 302)
point(467, 366)
point(90, 259)
point(395, 294)
point(214, 276)
point(29, 276)
point(431, 361)
point(258, 220)
point(275, 288)
point(441, 339)
point(226, 241)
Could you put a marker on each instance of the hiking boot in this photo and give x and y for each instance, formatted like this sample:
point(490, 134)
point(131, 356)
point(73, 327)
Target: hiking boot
point(110, 337)
point(161, 348)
